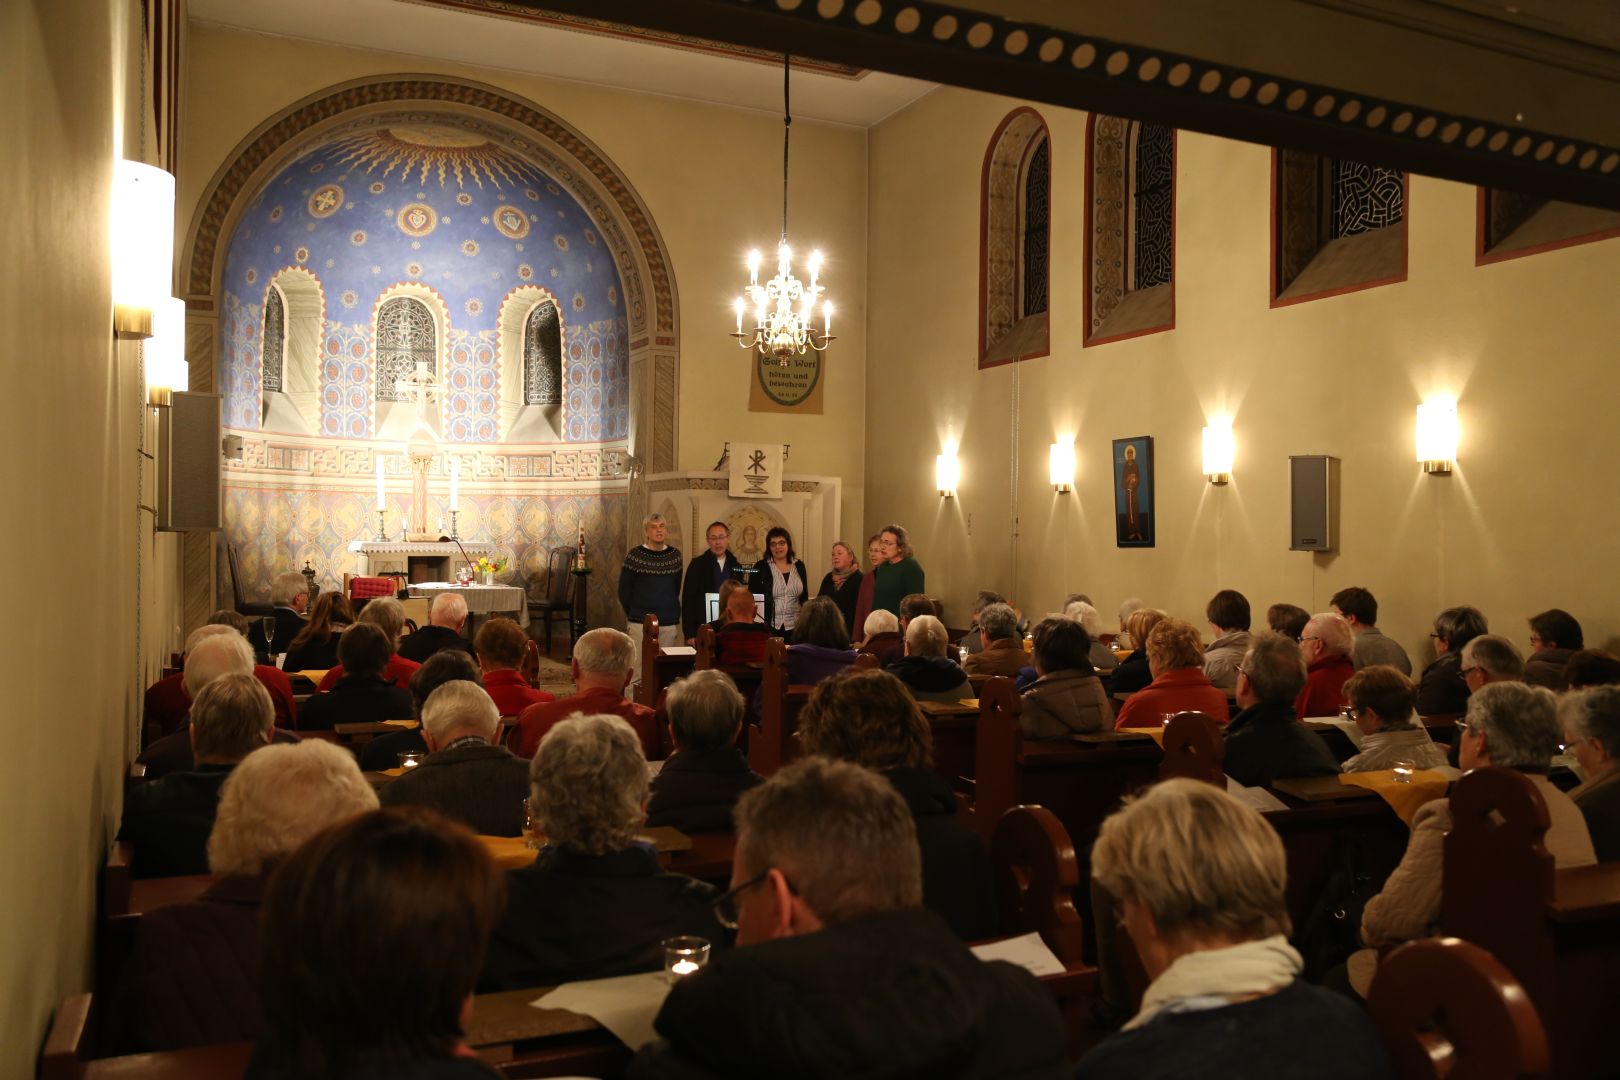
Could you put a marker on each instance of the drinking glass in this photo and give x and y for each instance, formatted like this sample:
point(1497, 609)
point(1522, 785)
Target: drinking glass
point(1403, 770)
point(268, 625)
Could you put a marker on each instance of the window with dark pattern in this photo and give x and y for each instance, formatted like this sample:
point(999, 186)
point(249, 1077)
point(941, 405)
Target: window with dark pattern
point(542, 356)
point(1366, 197)
point(405, 336)
point(1153, 196)
point(1037, 227)
point(275, 340)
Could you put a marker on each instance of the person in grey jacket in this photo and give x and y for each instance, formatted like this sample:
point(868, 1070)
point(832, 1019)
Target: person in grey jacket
point(464, 776)
point(1360, 609)
point(1067, 698)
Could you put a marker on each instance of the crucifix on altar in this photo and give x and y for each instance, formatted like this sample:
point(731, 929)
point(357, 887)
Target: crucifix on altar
point(422, 447)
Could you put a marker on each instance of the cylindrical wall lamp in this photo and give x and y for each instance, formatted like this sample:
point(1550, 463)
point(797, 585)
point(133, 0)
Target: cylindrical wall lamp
point(165, 352)
point(1218, 450)
point(946, 473)
point(142, 245)
point(1060, 466)
point(1437, 435)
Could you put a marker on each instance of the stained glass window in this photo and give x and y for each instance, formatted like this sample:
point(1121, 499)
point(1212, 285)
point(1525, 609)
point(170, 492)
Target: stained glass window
point(542, 356)
point(405, 336)
point(1037, 234)
point(1153, 199)
point(1366, 197)
point(275, 340)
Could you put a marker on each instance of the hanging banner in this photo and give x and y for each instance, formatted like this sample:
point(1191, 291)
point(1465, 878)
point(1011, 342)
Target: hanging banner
point(795, 388)
point(756, 470)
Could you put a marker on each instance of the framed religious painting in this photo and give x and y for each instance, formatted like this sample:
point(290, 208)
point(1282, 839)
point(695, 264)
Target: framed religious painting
point(1133, 492)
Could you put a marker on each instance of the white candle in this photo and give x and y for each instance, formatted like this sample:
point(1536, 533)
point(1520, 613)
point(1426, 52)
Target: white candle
point(739, 309)
point(382, 493)
point(455, 484)
point(683, 967)
point(826, 319)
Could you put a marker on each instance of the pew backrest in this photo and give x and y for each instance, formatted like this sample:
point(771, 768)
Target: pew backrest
point(1036, 873)
point(1194, 747)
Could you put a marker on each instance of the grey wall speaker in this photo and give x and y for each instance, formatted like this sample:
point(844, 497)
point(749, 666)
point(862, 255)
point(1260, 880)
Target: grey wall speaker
point(189, 496)
point(1313, 485)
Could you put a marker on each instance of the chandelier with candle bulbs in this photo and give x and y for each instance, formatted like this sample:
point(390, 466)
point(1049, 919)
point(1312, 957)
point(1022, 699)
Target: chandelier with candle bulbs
point(783, 307)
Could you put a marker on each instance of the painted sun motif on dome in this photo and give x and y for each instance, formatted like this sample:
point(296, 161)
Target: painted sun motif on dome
point(425, 151)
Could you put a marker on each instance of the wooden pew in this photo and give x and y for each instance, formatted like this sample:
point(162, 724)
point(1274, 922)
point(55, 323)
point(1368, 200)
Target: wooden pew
point(1446, 1008)
point(1557, 931)
point(658, 670)
point(357, 735)
point(955, 730)
point(771, 743)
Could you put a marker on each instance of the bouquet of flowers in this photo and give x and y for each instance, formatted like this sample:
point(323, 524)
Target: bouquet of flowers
point(486, 565)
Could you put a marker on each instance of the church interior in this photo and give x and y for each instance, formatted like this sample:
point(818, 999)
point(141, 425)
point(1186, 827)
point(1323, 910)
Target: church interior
point(467, 268)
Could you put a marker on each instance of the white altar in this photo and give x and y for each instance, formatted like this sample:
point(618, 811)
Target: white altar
point(810, 509)
point(418, 561)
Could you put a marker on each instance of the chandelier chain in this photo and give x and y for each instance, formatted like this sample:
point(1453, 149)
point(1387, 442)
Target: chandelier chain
point(787, 132)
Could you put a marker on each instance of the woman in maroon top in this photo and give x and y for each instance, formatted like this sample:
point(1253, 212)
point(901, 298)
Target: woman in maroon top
point(863, 602)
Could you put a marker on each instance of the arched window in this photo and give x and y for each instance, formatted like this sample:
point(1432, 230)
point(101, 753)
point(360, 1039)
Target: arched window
point(542, 356)
point(1130, 229)
point(406, 336)
point(275, 340)
point(1015, 240)
point(1338, 226)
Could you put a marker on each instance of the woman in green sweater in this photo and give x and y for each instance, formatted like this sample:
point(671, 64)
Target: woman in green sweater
point(900, 575)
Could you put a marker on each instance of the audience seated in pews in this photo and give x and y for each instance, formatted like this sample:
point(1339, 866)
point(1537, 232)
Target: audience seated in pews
point(1490, 659)
point(594, 903)
point(701, 781)
point(1067, 697)
point(289, 594)
point(452, 665)
point(882, 636)
point(447, 618)
point(387, 615)
point(1266, 741)
point(1003, 652)
point(167, 821)
point(1326, 645)
point(867, 717)
point(1199, 881)
point(820, 645)
point(973, 640)
point(315, 647)
point(723, 602)
point(1380, 700)
point(1555, 636)
point(173, 753)
point(1510, 725)
point(1288, 620)
point(1175, 658)
point(1592, 667)
point(601, 668)
point(1360, 609)
point(838, 972)
point(1228, 615)
point(925, 669)
point(1134, 672)
point(743, 638)
point(1103, 660)
point(1591, 725)
point(373, 934)
point(363, 694)
point(465, 777)
point(500, 646)
point(1442, 690)
point(192, 977)
point(167, 703)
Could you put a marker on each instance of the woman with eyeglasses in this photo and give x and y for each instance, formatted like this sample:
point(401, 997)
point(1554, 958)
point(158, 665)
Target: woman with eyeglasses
point(1442, 690)
point(1380, 702)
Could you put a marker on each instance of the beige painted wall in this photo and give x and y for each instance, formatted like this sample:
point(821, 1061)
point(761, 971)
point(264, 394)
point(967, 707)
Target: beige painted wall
point(68, 430)
point(1527, 346)
point(710, 177)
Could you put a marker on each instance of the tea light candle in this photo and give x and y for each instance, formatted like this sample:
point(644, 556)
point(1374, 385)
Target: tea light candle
point(1404, 770)
point(684, 955)
point(410, 759)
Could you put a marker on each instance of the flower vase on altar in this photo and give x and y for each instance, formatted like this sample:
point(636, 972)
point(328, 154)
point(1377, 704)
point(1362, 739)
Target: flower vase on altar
point(487, 577)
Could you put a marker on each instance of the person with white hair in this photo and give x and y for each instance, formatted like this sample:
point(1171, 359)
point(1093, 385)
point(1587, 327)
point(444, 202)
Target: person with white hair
point(465, 777)
point(1127, 607)
point(594, 903)
point(702, 779)
point(927, 672)
point(1591, 722)
point(650, 584)
point(881, 635)
point(1103, 660)
point(447, 619)
point(165, 704)
point(1328, 646)
point(601, 669)
point(167, 821)
point(289, 596)
point(192, 976)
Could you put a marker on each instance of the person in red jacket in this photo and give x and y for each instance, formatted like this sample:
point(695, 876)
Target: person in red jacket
point(1179, 684)
point(1328, 645)
point(500, 645)
point(166, 704)
point(602, 664)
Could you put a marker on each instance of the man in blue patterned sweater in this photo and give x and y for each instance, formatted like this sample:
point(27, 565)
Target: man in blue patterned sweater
point(650, 584)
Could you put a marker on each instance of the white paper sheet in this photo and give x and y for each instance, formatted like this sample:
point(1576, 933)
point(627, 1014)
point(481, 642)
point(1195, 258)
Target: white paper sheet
point(1259, 798)
point(625, 1006)
point(1028, 952)
point(1347, 726)
point(677, 650)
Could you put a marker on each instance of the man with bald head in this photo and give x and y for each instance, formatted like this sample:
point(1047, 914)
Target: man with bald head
point(1328, 645)
point(446, 620)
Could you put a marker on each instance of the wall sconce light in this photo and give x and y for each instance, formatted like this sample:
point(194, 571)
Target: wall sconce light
point(142, 245)
point(1218, 450)
point(1060, 466)
point(946, 474)
point(1437, 435)
point(165, 353)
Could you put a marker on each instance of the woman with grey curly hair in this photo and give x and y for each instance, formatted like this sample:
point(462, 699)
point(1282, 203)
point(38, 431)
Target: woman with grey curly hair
point(594, 903)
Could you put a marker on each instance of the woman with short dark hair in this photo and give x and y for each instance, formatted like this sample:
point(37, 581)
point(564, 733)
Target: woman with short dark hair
point(820, 643)
point(1067, 698)
point(362, 695)
point(1442, 690)
point(781, 577)
point(1381, 700)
